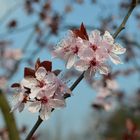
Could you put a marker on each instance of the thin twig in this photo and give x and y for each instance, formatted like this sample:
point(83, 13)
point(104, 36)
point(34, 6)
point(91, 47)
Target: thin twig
point(79, 79)
point(122, 25)
point(39, 121)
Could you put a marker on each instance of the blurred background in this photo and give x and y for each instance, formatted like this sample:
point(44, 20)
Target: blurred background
point(31, 29)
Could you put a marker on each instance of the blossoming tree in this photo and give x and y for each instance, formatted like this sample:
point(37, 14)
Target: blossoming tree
point(41, 89)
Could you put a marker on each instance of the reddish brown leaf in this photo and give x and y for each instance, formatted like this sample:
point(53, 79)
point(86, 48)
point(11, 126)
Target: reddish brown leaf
point(29, 72)
point(82, 33)
point(37, 64)
point(15, 85)
point(83, 30)
point(56, 72)
point(47, 65)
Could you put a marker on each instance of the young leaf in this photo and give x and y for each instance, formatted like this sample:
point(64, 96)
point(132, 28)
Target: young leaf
point(29, 72)
point(47, 65)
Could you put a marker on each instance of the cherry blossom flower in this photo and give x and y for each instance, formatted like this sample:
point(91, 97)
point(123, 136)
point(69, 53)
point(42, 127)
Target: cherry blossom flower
point(45, 103)
point(68, 49)
point(21, 97)
point(89, 52)
point(91, 62)
point(41, 89)
point(39, 83)
point(45, 81)
point(113, 49)
point(60, 87)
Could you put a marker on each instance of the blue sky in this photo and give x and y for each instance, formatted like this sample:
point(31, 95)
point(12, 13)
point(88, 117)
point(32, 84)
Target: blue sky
point(78, 106)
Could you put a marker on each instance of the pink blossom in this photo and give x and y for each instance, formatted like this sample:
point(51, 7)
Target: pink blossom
point(89, 52)
point(39, 83)
point(45, 92)
point(91, 62)
point(113, 49)
point(21, 99)
point(45, 82)
point(93, 57)
point(45, 103)
point(68, 49)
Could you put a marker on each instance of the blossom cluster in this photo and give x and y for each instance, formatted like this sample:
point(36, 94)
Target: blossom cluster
point(89, 52)
point(41, 90)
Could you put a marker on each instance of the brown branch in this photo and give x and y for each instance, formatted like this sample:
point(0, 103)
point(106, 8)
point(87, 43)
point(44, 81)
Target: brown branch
point(122, 25)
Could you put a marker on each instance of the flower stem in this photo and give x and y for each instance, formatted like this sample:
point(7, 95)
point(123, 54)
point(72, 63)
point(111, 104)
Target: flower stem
point(79, 79)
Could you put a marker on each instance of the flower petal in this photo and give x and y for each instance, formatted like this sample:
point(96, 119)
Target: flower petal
point(45, 112)
point(108, 37)
point(81, 65)
point(21, 107)
point(28, 82)
point(34, 107)
point(115, 59)
point(103, 69)
point(40, 73)
point(34, 92)
point(56, 103)
point(95, 37)
point(70, 61)
point(86, 53)
point(56, 53)
point(49, 92)
point(15, 106)
point(118, 49)
point(90, 72)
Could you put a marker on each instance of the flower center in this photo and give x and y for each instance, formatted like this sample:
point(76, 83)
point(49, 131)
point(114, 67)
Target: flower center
point(93, 62)
point(25, 99)
point(41, 84)
point(66, 49)
point(93, 47)
point(44, 100)
point(75, 50)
